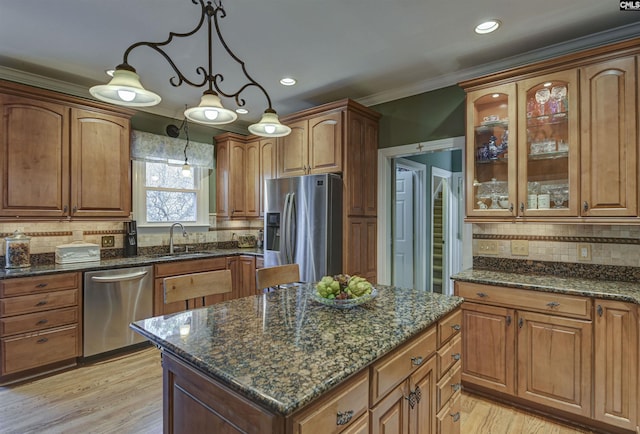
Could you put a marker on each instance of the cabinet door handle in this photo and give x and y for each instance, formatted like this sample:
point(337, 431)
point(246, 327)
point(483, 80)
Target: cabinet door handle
point(511, 208)
point(508, 320)
point(455, 416)
point(455, 356)
point(41, 285)
point(456, 327)
point(520, 323)
point(522, 207)
point(553, 304)
point(41, 303)
point(42, 322)
point(65, 209)
point(585, 206)
point(42, 340)
point(481, 294)
point(74, 210)
point(599, 310)
point(416, 361)
point(418, 393)
point(343, 417)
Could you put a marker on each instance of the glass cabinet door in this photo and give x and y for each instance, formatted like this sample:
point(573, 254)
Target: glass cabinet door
point(491, 159)
point(548, 157)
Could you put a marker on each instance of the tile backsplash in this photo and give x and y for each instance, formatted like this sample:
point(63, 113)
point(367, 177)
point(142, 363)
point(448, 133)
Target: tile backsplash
point(605, 244)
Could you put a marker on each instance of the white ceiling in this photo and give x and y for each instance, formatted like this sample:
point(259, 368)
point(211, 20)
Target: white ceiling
point(369, 50)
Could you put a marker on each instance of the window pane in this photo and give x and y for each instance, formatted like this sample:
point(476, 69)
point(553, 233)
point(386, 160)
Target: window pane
point(169, 206)
point(167, 176)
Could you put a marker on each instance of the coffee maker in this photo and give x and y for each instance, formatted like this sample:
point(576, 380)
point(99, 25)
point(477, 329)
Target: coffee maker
point(130, 239)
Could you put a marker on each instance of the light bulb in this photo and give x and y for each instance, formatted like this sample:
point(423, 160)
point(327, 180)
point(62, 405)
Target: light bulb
point(126, 95)
point(211, 114)
point(269, 129)
point(186, 170)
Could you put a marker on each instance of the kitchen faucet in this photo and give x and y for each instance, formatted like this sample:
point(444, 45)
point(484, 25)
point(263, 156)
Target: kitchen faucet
point(184, 234)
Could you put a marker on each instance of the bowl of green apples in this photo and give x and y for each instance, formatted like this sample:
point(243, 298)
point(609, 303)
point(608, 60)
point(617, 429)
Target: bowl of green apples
point(343, 291)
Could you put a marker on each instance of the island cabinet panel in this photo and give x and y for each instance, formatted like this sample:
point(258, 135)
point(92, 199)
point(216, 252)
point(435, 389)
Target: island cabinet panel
point(554, 361)
point(337, 410)
point(40, 327)
point(616, 363)
point(194, 403)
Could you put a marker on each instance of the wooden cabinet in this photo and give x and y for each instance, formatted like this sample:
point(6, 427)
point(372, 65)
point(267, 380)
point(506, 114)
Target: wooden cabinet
point(554, 361)
point(556, 140)
point(616, 363)
point(268, 166)
point(237, 177)
point(178, 268)
point(609, 138)
point(80, 149)
point(314, 146)
point(40, 327)
point(243, 269)
point(360, 239)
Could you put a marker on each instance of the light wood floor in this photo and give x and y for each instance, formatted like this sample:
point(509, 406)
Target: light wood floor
point(124, 396)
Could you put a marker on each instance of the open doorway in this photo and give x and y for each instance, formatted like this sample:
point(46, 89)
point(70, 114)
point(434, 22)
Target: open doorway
point(443, 187)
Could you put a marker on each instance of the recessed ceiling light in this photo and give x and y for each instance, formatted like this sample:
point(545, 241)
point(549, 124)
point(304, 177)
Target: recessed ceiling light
point(242, 111)
point(487, 26)
point(288, 81)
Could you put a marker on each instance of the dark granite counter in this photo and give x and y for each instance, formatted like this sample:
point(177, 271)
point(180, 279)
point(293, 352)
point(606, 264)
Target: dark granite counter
point(605, 289)
point(282, 349)
point(135, 261)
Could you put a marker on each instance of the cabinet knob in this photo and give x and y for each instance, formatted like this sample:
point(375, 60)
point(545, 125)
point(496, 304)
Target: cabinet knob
point(456, 386)
point(481, 294)
point(42, 340)
point(42, 322)
point(343, 417)
point(511, 208)
point(455, 416)
point(585, 206)
point(74, 210)
point(65, 209)
point(456, 327)
point(455, 356)
point(508, 320)
point(416, 361)
point(41, 285)
point(41, 303)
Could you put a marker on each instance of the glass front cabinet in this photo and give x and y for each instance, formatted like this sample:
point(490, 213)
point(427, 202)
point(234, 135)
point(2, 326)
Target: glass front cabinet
point(524, 161)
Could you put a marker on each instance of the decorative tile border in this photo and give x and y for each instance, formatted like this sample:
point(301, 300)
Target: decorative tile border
point(558, 238)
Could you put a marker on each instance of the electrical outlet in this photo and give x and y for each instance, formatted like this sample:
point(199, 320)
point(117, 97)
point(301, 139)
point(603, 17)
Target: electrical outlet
point(108, 241)
point(584, 252)
point(488, 247)
point(520, 247)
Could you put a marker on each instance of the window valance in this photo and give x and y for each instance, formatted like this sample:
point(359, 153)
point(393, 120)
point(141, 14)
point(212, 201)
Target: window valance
point(155, 148)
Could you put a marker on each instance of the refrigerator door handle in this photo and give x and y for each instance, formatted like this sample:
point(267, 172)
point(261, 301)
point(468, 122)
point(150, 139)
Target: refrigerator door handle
point(284, 232)
point(291, 228)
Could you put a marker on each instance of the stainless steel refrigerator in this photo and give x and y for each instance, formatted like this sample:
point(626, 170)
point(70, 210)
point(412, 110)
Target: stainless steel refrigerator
point(303, 224)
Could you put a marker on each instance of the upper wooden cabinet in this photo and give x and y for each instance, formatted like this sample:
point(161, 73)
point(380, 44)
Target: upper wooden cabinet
point(557, 140)
point(268, 166)
point(314, 146)
point(58, 156)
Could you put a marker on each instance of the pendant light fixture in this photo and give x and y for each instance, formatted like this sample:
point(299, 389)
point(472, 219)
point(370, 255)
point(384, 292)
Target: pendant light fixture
point(125, 87)
point(173, 131)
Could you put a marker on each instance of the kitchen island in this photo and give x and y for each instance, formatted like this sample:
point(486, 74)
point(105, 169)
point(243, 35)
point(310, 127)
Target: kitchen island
point(269, 363)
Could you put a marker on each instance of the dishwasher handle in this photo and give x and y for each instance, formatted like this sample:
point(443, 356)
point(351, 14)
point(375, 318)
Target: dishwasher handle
point(119, 277)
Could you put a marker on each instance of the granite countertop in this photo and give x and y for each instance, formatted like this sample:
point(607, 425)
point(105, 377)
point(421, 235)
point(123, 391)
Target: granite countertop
point(605, 289)
point(134, 261)
point(282, 349)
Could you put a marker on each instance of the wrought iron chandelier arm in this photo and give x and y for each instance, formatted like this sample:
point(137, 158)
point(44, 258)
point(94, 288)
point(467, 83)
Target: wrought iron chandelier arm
point(252, 82)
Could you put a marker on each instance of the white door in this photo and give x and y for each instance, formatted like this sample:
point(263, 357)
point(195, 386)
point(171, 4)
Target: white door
point(403, 231)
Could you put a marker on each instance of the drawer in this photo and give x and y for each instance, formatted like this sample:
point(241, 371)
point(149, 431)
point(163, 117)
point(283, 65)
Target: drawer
point(33, 285)
point(41, 349)
point(546, 302)
point(449, 326)
point(448, 385)
point(38, 321)
point(449, 355)
point(189, 266)
point(38, 302)
point(394, 368)
point(448, 419)
point(338, 410)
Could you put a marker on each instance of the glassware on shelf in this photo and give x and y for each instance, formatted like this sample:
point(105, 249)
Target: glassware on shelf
point(491, 193)
point(559, 196)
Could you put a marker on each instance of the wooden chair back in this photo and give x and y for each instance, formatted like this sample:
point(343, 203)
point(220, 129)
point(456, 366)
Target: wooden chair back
point(278, 275)
point(197, 285)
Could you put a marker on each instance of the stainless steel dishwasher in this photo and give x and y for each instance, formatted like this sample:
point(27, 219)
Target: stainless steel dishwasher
point(112, 300)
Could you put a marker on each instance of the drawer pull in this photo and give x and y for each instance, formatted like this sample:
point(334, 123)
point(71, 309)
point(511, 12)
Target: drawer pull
point(456, 386)
point(343, 417)
point(455, 356)
point(481, 294)
point(553, 304)
point(418, 393)
point(42, 340)
point(42, 285)
point(456, 327)
point(41, 303)
point(414, 397)
point(455, 416)
point(416, 361)
point(42, 321)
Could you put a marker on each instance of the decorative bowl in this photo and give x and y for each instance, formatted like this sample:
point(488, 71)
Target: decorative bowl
point(344, 304)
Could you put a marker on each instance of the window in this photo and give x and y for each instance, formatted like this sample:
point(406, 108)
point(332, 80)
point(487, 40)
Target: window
point(162, 195)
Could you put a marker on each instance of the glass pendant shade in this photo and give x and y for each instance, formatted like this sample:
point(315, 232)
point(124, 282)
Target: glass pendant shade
point(210, 111)
point(269, 126)
point(186, 170)
point(125, 89)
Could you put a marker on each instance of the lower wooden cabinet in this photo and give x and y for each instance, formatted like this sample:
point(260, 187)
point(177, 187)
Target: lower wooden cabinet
point(40, 327)
point(616, 363)
point(448, 419)
point(571, 355)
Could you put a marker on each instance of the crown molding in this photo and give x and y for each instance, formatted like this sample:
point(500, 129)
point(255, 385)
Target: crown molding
point(579, 44)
